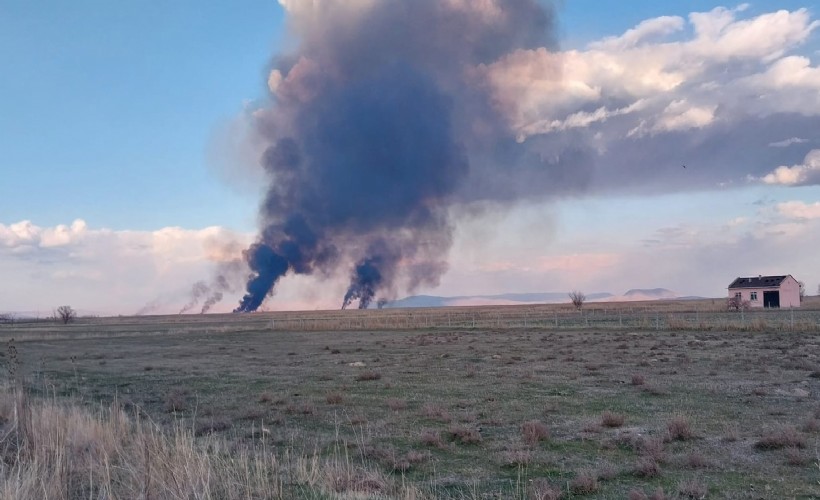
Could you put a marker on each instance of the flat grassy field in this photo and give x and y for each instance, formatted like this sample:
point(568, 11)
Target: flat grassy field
point(504, 411)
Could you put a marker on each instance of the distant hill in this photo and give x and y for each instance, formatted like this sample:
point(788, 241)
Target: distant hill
point(635, 294)
point(490, 300)
point(649, 294)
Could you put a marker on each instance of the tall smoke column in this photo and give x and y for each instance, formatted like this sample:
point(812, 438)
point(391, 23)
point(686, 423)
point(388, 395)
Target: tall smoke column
point(372, 126)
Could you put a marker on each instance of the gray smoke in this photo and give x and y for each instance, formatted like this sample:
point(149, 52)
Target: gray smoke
point(199, 290)
point(377, 125)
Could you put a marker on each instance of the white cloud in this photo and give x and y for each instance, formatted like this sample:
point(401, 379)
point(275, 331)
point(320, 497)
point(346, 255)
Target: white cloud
point(658, 26)
point(799, 210)
point(787, 142)
point(104, 270)
point(807, 173)
point(729, 66)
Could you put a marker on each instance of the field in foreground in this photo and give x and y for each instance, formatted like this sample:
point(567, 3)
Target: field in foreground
point(460, 412)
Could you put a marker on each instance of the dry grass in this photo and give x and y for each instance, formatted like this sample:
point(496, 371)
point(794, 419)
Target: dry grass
point(62, 451)
point(334, 398)
point(611, 419)
point(785, 437)
point(431, 438)
point(368, 375)
point(647, 467)
point(534, 431)
point(585, 483)
point(658, 494)
point(692, 488)
point(542, 489)
point(563, 377)
point(464, 434)
point(678, 429)
point(436, 412)
point(396, 404)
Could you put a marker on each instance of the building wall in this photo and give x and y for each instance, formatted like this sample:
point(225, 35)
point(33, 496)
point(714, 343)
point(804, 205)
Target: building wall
point(790, 293)
point(746, 295)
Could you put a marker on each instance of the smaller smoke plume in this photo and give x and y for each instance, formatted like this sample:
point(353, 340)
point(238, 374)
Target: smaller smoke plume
point(199, 290)
point(149, 308)
point(219, 286)
point(227, 280)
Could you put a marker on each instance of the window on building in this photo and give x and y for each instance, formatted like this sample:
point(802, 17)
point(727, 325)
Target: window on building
point(753, 297)
point(737, 295)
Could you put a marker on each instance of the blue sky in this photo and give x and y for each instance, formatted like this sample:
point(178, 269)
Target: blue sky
point(110, 112)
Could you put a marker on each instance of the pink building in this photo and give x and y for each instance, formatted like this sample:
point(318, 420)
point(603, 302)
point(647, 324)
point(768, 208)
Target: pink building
point(767, 291)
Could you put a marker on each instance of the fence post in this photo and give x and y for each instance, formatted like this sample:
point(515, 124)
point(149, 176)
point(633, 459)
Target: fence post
point(791, 310)
point(556, 319)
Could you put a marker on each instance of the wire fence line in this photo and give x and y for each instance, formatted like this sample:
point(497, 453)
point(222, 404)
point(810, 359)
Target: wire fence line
point(749, 320)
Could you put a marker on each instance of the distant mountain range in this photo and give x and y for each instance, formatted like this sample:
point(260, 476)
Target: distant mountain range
point(635, 294)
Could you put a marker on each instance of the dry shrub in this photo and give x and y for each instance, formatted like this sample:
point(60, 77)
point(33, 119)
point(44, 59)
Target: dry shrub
point(692, 488)
point(435, 412)
point(652, 448)
point(811, 425)
point(658, 494)
point(431, 438)
point(515, 458)
point(638, 379)
point(732, 433)
point(591, 427)
point(647, 467)
point(334, 398)
point(696, 460)
point(417, 457)
point(759, 391)
point(397, 404)
point(368, 375)
point(584, 483)
point(542, 489)
point(785, 437)
point(464, 434)
point(678, 429)
point(211, 425)
point(607, 472)
point(534, 431)
point(176, 400)
point(265, 397)
point(611, 419)
point(653, 390)
point(796, 457)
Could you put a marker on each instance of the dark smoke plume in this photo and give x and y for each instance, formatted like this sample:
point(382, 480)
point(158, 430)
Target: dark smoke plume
point(374, 127)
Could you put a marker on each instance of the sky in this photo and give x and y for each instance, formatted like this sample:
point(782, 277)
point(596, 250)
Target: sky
point(128, 170)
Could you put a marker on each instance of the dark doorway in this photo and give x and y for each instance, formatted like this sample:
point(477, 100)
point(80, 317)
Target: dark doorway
point(771, 299)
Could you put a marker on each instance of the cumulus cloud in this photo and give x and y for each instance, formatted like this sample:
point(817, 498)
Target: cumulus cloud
point(107, 271)
point(799, 210)
point(713, 90)
point(804, 174)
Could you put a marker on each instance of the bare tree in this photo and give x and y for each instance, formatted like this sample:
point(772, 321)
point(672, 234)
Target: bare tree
point(802, 286)
point(66, 314)
point(578, 298)
point(737, 304)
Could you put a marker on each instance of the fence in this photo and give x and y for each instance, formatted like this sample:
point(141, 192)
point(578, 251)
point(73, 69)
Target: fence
point(633, 319)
